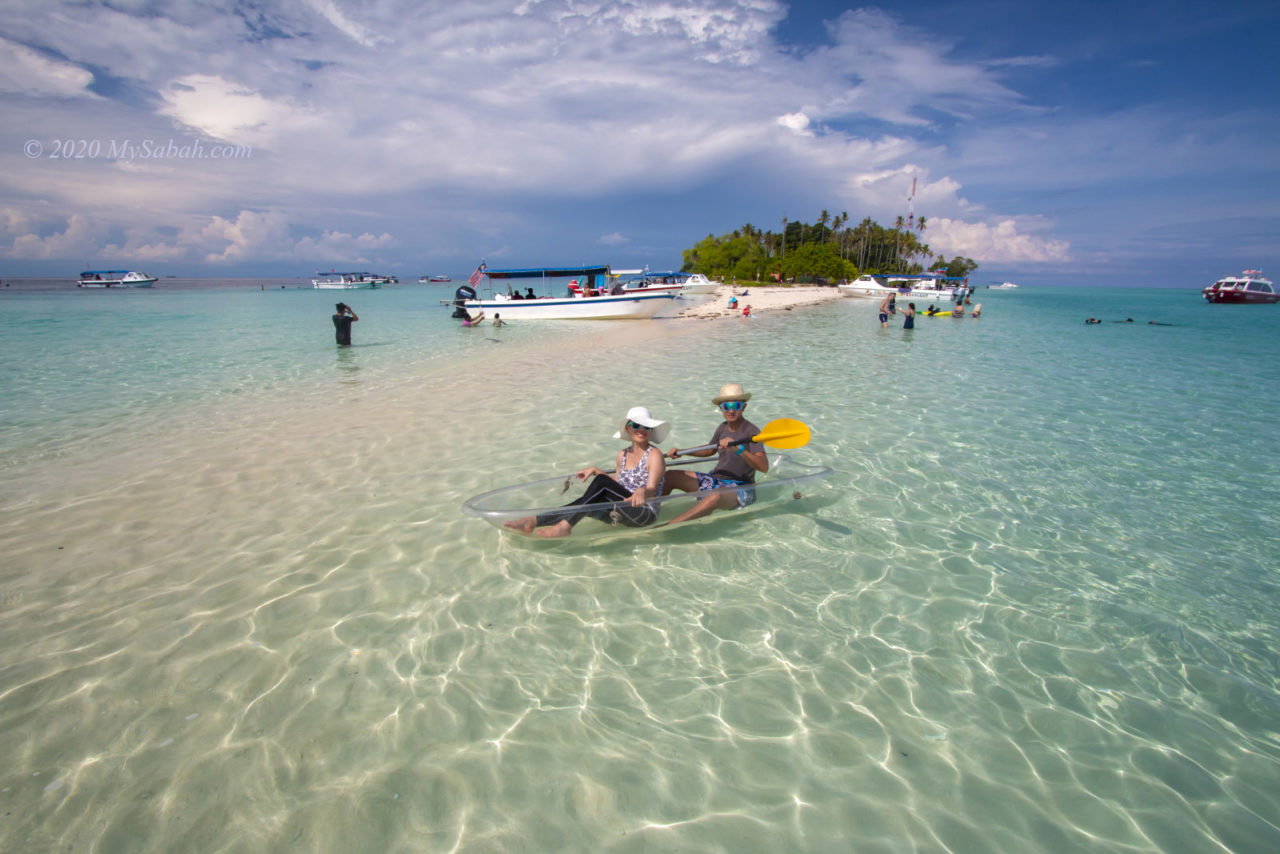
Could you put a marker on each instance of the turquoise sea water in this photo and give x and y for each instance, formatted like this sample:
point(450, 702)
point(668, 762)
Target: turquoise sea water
point(241, 609)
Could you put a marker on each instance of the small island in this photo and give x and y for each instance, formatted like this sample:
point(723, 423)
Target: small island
point(825, 252)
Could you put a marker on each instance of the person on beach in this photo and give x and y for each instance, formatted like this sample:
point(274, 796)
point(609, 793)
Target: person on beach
point(977, 311)
point(740, 459)
point(958, 311)
point(640, 468)
point(1093, 320)
point(497, 320)
point(342, 324)
point(733, 303)
point(887, 307)
point(746, 310)
point(909, 316)
point(470, 319)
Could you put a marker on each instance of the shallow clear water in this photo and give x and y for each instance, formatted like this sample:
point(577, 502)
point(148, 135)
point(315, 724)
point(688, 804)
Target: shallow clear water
point(242, 611)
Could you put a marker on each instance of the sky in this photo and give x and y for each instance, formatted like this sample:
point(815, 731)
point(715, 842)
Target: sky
point(1131, 142)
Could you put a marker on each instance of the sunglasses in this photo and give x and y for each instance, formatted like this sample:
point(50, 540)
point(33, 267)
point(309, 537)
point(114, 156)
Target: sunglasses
point(631, 425)
point(732, 405)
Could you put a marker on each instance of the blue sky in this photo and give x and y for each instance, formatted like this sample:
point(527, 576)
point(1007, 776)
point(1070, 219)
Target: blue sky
point(1133, 142)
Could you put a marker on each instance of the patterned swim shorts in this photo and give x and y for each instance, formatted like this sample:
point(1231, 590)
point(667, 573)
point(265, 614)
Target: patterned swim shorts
point(746, 496)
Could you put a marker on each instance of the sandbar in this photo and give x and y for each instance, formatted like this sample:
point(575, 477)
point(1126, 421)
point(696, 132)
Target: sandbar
point(762, 299)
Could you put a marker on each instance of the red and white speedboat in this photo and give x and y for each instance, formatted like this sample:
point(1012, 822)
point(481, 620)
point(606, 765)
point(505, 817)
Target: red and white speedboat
point(1248, 287)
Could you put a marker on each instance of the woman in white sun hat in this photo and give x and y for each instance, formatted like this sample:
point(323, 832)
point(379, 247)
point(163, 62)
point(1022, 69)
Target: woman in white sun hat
point(640, 473)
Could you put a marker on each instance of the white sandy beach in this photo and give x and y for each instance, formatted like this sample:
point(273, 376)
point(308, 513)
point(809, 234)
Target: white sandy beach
point(761, 299)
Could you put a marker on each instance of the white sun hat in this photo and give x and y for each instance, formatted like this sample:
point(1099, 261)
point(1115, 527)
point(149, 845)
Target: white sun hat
point(641, 415)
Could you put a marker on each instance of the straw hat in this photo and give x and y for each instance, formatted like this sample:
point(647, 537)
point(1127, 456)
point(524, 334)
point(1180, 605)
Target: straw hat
point(641, 415)
point(731, 391)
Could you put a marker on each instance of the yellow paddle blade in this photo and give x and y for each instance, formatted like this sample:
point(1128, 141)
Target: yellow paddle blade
point(784, 434)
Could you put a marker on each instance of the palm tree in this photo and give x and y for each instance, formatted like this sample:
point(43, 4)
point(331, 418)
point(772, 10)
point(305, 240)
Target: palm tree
point(784, 236)
point(824, 219)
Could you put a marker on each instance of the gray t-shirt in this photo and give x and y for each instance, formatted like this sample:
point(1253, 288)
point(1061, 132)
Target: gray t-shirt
point(730, 464)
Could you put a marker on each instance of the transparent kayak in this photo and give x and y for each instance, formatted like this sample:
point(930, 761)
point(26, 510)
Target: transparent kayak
point(786, 480)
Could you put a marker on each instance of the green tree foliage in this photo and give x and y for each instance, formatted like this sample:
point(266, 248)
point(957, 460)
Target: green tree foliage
point(958, 266)
point(828, 248)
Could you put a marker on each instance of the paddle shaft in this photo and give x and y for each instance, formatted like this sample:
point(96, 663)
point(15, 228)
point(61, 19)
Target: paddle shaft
point(784, 433)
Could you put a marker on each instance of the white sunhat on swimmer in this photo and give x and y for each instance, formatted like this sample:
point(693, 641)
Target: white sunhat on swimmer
point(641, 415)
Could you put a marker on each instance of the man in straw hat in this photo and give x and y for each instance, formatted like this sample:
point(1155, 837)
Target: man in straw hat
point(740, 459)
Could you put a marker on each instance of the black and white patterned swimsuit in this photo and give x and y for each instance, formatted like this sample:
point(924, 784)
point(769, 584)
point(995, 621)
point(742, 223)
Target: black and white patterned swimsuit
point(636, 478)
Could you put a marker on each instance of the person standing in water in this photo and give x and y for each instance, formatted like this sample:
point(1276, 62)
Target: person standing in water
point(909, 316)
point(886, 309)
point(342, 324)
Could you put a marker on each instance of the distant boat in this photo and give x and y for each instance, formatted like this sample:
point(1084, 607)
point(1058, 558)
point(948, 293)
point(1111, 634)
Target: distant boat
point(350, 281)
point(1248, 287)
point(657, 282)
point(1006, 286)
point(115, 279)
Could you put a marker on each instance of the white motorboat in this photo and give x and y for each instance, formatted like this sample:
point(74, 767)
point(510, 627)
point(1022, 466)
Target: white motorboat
point(583, 300)
point(350, 281)
point(933, 286)
point(115, 279)
point(1004, 286)
point(865, 286)
point(695, 283)
point(676, 282)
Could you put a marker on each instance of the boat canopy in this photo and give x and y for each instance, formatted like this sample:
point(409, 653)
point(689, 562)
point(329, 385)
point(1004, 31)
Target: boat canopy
point(548, 272)
point(915, 278)
point(106, 272)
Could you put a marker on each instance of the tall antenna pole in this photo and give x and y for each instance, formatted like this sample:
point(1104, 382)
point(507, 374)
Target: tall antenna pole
point(911, 213)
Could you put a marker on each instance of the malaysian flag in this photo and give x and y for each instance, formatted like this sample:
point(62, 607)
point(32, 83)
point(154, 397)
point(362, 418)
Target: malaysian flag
point(477, 275)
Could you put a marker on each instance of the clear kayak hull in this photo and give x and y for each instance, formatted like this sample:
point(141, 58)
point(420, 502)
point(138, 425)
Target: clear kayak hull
point(787, 480)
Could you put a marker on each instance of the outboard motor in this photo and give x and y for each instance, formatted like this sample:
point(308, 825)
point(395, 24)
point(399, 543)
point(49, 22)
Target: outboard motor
point(460, 297)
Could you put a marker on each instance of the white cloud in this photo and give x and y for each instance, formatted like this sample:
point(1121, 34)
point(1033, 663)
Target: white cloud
point(1001, 242)
point(397, 104)
point(347, 27)
point(798, 122)
point(80, 239)
point(232, 112)
point(24, 71)
point(614, 239)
